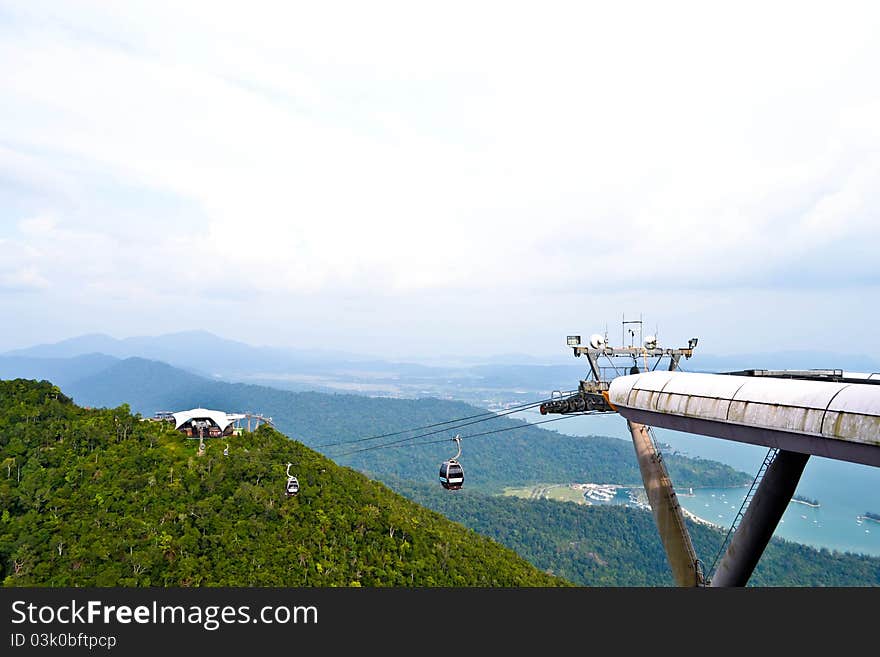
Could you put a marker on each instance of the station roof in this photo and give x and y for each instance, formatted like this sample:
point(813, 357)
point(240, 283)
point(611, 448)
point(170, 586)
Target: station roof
point(217, 417)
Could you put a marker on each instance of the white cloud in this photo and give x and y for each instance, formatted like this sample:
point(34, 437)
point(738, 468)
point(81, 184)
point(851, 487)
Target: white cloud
point(21, 279)
point(388, 151)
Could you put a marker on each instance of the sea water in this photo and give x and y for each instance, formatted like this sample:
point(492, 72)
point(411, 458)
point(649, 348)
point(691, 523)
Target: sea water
point(844, 490)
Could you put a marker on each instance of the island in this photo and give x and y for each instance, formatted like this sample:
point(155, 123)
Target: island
point(800, 499)
point(870, 516)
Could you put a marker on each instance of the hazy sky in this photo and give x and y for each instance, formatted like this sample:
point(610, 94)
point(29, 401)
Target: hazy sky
point(441, 178)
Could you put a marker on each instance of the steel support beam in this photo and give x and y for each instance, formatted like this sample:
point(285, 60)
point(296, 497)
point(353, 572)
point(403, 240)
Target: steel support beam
point(667, 511)
point(760, 519)
point(840, 450)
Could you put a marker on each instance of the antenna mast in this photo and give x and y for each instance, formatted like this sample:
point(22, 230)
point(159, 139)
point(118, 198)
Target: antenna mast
point(592, 391)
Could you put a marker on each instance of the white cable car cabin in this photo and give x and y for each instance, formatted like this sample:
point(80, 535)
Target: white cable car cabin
point(451, 472)
point(292, 487)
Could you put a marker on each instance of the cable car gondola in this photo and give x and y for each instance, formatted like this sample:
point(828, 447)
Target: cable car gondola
point(451, 472)
point(292, 487)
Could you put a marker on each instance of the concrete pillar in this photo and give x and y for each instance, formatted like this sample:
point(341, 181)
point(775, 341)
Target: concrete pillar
point(760, 519)
point(666, 509)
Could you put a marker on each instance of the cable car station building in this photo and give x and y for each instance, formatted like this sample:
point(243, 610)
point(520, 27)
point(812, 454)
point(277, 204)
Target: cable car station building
point(202, 422)
point(207, 423)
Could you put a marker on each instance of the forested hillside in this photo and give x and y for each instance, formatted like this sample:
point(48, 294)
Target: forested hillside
point(100, 498)
point(619, 546)
point(524, 455)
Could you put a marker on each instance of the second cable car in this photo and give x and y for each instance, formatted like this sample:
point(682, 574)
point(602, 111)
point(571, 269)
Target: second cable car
point(451, 472)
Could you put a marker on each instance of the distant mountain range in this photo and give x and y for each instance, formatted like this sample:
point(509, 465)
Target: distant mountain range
point(496, 379)
point(199, 351)
point(61, 371)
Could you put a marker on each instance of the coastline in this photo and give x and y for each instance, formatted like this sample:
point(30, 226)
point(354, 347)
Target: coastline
point(841, 533)
point(690, 515)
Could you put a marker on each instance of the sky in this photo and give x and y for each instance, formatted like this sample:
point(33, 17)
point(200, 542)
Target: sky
point(407, 179)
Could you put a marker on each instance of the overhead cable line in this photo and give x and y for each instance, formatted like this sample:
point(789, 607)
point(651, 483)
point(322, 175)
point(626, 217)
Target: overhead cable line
point(399, 443)
point(488, 415)
point(493, 416)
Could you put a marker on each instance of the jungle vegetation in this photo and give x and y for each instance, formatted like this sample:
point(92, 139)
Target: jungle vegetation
point(101, 498)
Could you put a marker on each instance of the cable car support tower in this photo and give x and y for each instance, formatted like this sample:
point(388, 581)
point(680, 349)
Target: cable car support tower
point(592, 395)
point(794, 413)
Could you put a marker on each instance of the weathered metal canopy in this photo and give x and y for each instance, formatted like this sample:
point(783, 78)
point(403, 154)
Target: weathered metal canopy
point(835, 420)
